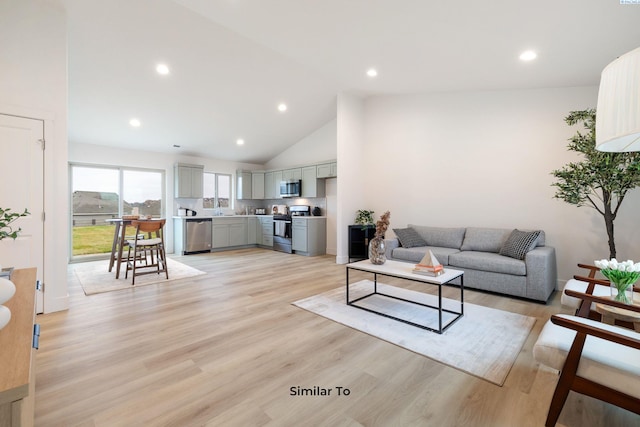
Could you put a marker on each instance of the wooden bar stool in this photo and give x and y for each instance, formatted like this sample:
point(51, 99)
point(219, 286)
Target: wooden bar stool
point(147, 255)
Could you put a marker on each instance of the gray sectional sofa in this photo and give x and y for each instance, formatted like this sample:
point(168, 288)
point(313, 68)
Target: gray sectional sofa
point(477, 251)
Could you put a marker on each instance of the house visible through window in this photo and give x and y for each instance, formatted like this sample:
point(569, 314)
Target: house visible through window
point(217, 190)
point(100, 193)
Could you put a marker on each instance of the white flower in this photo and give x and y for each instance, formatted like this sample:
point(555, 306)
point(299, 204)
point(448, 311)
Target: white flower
point(603, 263)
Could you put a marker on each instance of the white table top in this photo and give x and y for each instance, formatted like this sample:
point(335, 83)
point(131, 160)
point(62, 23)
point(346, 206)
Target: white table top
point(403, 270)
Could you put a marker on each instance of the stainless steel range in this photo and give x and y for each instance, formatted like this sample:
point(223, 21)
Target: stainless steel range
point(282, 227)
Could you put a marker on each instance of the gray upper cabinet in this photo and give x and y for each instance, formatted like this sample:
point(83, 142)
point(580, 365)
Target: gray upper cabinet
point(188, 180)
point(292, 174)
point(269, 186)
point(311, 185)
point(277, 178)
point(327, 170)
point(257, 185)
point(243, 185)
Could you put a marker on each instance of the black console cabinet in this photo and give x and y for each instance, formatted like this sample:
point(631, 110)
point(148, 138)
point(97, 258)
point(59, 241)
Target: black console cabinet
point(359, 236)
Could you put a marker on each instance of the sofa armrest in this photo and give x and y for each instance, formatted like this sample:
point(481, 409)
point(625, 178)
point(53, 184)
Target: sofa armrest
point(390, 245)
point(542, 274)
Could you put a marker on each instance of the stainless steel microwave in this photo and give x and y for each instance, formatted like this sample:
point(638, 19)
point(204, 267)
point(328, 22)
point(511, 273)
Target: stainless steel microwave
point(290, 188)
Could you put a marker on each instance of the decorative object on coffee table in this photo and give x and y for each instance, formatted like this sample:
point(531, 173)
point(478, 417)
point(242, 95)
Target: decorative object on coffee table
point(377, 248)
point(622, 276)
point(429, 266)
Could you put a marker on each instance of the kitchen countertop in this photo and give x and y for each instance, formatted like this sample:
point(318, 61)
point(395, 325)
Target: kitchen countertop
point(241, 216)
point(219, 216)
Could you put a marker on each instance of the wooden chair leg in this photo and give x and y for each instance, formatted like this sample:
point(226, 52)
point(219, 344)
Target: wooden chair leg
point(565, 382)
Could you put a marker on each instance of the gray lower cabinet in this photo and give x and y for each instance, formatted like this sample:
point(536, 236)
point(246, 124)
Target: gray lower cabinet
point(265, 231)
point(229, 232)
point(309, 236)
point(252, 231)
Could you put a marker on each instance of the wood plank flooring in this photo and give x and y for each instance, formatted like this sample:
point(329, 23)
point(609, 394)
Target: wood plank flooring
point(225, 348)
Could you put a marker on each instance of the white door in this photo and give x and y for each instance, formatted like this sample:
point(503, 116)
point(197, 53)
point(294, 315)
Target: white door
point(22, 186)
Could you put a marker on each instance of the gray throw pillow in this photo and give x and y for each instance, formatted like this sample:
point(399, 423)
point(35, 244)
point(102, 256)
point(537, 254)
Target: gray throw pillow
point(519, 243)
point(409, 238)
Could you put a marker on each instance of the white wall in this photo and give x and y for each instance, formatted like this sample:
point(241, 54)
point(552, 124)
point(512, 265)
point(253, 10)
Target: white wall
point(479, 159)
point(353, 173)
point(33, 55)
point(316, 147)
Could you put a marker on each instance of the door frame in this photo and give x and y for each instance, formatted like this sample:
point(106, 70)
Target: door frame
point(54, 275)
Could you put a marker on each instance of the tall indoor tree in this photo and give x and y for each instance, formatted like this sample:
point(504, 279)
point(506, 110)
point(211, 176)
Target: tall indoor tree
point(601, 180)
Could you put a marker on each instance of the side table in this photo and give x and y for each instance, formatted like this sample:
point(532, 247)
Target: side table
point(359, 236)
point(610, 314)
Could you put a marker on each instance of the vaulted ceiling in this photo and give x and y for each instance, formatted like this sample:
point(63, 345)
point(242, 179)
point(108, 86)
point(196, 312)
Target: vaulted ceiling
point(232, 62)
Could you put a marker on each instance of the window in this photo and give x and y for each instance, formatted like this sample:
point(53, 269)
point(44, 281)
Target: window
point(103, 192)
point(217, 190)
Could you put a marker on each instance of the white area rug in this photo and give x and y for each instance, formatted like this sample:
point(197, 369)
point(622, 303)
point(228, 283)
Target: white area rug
point(485, 342)
point(95, 277)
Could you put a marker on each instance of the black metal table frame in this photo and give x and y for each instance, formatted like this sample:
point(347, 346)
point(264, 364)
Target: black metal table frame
point(440, 329)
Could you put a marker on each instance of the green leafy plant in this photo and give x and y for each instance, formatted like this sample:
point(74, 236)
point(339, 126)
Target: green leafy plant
point(6, 218)
point(364, 217)
point(601, 180)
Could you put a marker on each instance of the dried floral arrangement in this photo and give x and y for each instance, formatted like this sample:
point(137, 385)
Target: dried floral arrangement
point(382, 224)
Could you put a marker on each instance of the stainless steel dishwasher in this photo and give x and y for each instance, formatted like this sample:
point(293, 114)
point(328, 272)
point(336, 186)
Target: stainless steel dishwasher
point(198, 235)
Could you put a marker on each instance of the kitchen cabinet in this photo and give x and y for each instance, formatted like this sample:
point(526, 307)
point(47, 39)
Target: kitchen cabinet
point(327, 170)
point(229, 232)
point(188, 181)
point(18, 342)
point(243, 185)
point(265, 231)
point(252, 231)
point(269, 186)
point(309, 236)
point(311, 185)
point(257, 185)
point(277, 179)
point(292, 174)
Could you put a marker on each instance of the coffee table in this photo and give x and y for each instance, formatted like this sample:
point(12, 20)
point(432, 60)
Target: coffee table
point(403, 270)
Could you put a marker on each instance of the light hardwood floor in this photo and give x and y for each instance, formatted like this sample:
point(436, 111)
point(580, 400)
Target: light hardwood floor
point(224, 349)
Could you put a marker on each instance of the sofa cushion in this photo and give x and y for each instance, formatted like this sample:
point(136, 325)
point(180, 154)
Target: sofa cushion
point(488, 261)
point(409, 238)
point(519, 243)
point(415, 255)
point(484, 239)
point(440, 236)
point(610, 364)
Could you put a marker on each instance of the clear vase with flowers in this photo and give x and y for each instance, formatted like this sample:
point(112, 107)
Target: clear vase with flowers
point(622, 276)
point(377, 248)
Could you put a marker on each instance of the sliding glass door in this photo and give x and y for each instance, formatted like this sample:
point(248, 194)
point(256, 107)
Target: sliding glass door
point(100, 193)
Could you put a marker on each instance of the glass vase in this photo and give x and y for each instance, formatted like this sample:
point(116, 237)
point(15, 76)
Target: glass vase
point(377, 251)
point(622, 292)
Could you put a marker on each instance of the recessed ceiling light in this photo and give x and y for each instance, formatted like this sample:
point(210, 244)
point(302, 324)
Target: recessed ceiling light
point(135, 123)
point(240, 142)
point(528, 55)
point(372, 72)
point(282, 107)
point(162, 69)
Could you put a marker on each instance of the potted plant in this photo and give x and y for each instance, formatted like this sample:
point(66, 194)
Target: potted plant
point(364, 217)
point(600, 180)
point(6, 218)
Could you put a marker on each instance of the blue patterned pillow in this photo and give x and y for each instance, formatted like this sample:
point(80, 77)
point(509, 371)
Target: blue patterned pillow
point(409, 238)
point(519, 243)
